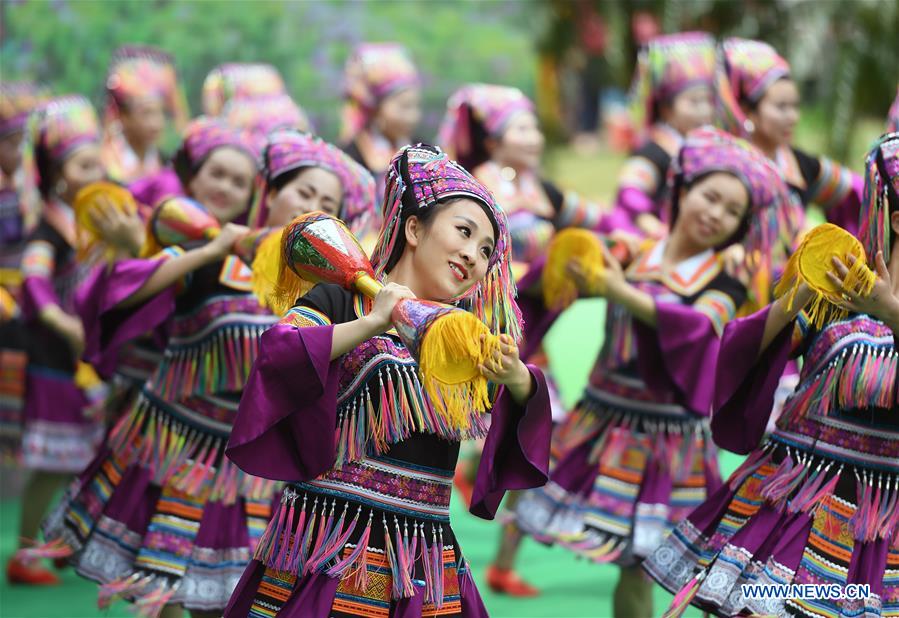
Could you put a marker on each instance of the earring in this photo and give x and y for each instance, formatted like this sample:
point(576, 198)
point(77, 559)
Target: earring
point(61, 187)
point(748, 126)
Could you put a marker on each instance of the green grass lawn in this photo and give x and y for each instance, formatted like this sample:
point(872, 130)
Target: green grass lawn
point(571, 587)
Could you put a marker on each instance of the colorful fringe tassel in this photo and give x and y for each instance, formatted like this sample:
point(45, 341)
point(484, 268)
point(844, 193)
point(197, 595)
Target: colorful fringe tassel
point(369, 425)
point(301, 540)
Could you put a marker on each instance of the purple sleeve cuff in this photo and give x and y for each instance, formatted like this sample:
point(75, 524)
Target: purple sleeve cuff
point(679, 355)
point(516, 451)
point(37, 293)
point(285, 426)
point(746, 382)
point(107, 328)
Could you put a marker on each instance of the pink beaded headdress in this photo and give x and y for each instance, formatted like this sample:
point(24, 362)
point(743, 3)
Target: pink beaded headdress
point(667, 66)
point(373, 72)
point(288, 150)
point(490, 105)
point(745, 70)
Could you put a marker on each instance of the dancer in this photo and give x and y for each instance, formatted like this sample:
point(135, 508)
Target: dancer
point(382, 108)
point(17, 100)
point(141, 90)
point(159, 517)
point(61, 431)
point(816, 501)
point(758, 99)
point(671, 95)
point(365, 520)
point(635, 454)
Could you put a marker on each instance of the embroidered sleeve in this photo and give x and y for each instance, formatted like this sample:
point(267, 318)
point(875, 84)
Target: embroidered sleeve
point(301, 316)
point(833, 186)
point(577, 212)
point(639, 173)
point(39, 260)
point(718, 306)
point(173, 252)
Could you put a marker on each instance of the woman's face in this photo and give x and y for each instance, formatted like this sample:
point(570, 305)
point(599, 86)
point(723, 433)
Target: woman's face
point(452, 252)
point(690, 109)
point(143, 121)
point(521, 144)
point(80, 169)
point(224, 183)
point(399, 114)
point(312, 189)
point(712, 210)
point(777, 114)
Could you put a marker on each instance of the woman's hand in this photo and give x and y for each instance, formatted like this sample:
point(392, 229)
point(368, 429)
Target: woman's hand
point(122, 230)
point(610, 282)
point(380, 319)
point(505, 367)
point(220, 246)
point(733, 258)
point(651, 225)
point(880, 302)
point(69, 327)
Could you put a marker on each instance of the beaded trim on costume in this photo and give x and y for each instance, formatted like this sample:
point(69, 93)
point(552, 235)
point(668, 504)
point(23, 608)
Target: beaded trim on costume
point(855, 368)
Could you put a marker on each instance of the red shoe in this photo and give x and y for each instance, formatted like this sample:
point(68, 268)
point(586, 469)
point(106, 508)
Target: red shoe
point(33, 574)
point(60, 563)
point(508, 582)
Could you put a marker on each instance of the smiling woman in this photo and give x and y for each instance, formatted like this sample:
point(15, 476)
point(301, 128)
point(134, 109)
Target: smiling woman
point(378, 499)
point(635, 454)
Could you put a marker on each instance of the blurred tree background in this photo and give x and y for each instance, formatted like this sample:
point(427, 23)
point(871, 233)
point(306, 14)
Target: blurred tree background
point(843, 51)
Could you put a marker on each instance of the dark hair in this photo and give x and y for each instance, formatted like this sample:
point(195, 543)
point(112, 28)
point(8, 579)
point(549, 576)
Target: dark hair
point(48, 170)
point(679, 186)
point(281, 180)
point(892, 196)
point(753, 106)
point(183, 168)
point(478, 136)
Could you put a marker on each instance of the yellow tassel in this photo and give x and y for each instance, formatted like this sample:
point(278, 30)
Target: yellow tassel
point(449, 357)
point(268, 275)
point(810, 264)
point(287, 286)
point(570, 245)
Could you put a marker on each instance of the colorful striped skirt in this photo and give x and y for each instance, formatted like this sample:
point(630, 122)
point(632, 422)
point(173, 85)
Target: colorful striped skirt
point(161, 516)
point(793, 513)
point(624, 473)
point(370, 539)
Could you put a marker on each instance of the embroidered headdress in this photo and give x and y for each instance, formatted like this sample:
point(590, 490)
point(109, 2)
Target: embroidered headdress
point(373, 72)
point(667, 66)
point(422, 176)
point(745, 71)
point(489, 105)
